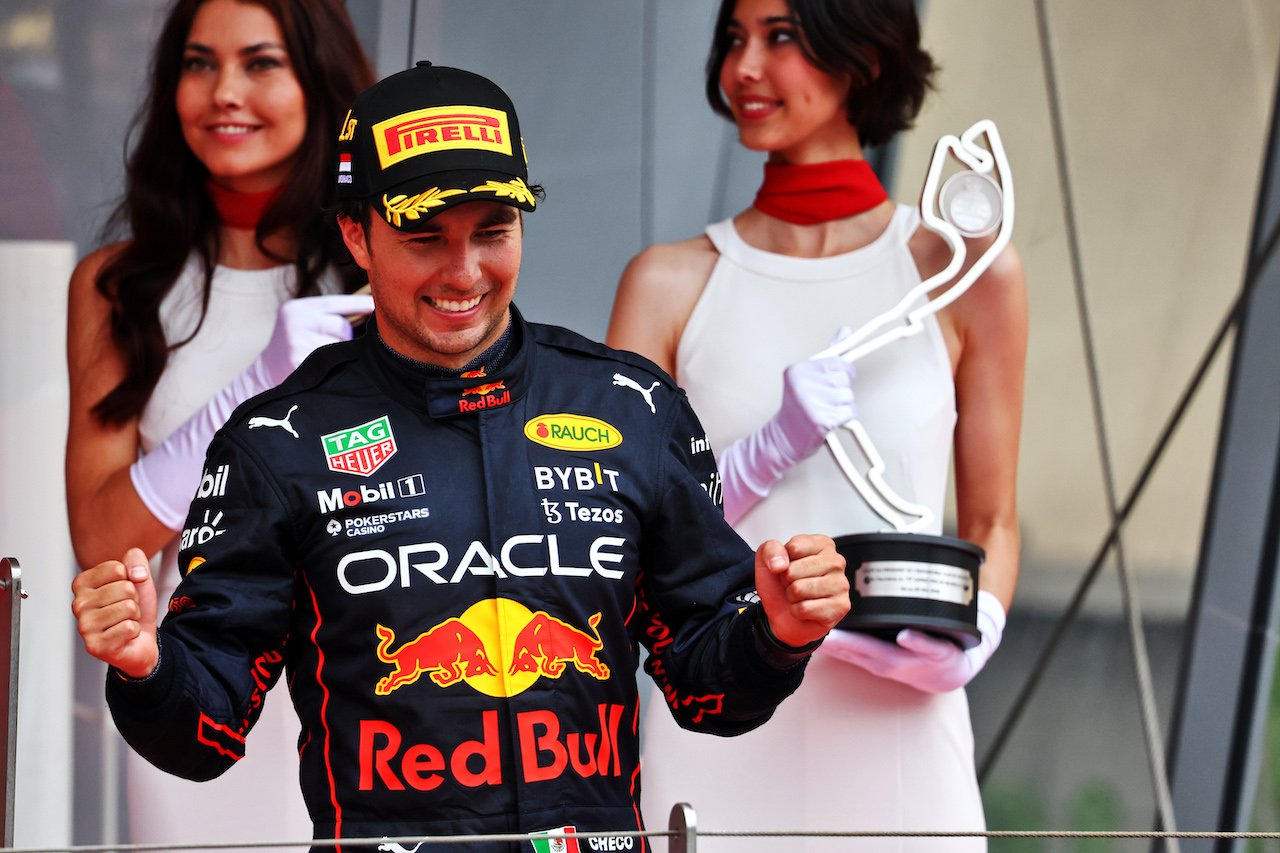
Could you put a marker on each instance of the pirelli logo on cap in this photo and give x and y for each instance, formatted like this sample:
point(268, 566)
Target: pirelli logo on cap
point(440, 129)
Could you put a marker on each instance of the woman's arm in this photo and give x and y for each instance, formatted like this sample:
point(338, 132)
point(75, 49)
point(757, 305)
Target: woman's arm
point(990, 327)
point(656, 295)
point(105, 513)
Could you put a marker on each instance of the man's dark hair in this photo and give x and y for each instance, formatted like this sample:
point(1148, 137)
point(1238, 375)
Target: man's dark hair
point(875, 44)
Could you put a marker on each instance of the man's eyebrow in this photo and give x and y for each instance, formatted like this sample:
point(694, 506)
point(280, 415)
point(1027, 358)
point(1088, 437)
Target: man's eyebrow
point(505, 216)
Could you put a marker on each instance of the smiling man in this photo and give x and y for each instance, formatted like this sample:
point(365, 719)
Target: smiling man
point(464, 537)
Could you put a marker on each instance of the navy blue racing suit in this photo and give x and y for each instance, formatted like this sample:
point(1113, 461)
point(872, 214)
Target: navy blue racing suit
point(455, 575)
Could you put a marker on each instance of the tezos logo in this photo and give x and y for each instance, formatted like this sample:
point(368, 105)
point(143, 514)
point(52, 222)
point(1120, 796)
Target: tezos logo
point(565, 431)
point(360, 450)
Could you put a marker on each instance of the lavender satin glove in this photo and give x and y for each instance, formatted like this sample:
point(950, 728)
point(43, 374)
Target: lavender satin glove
point(816, 398)
point(918, 659)
point(166, 479)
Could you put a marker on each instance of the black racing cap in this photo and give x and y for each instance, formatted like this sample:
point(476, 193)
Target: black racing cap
point(427, 139)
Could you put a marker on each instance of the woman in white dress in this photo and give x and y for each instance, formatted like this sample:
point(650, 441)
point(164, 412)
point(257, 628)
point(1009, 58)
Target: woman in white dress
point(878, 736)
point(171, 328)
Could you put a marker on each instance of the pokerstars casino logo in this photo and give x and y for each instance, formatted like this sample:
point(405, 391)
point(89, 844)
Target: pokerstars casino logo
point(565, 431)
point(360, 450)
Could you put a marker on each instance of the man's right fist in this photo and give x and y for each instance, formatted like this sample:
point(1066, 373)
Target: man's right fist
point(115, 610)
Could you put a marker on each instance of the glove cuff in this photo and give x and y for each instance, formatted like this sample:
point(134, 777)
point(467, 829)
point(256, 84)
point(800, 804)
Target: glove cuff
point(991, 619)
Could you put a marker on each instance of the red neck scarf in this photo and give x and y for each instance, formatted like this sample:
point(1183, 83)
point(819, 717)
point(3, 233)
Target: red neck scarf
point(818, 192)
point(241, 210)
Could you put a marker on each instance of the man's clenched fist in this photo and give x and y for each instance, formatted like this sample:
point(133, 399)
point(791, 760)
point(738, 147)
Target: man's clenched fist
point(115, 610)
point(802, 586)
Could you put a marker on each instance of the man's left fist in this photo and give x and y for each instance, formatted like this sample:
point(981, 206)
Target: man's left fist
point(802, 586)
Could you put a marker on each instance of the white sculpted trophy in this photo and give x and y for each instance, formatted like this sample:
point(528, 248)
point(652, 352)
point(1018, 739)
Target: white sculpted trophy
point(902, 578)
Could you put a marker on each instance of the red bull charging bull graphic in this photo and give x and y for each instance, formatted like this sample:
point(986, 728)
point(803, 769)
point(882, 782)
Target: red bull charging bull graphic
point(448, 652)
point(498, 647)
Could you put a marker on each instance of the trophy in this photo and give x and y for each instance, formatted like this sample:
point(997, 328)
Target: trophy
point(901, 578)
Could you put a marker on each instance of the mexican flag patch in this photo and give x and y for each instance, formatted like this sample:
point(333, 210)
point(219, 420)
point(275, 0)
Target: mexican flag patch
point(556, 845)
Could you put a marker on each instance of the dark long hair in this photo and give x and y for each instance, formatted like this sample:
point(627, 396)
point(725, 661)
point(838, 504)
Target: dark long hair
point(875, 44)
point(167, 215)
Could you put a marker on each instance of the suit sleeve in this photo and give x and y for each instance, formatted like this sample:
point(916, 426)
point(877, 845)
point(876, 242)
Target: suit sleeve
point(222, 644)
point(698, 613)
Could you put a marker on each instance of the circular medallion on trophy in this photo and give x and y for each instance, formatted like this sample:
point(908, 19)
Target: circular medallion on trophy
point(910, 580)
point(972, 202)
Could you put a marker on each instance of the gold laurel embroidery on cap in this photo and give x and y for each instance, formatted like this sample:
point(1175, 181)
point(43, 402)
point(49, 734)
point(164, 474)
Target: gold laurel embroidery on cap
point(513, 189)
point(410, 206)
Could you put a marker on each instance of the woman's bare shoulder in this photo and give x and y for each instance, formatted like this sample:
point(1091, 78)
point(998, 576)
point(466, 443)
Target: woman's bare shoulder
point(674, 266)
point(656, 295)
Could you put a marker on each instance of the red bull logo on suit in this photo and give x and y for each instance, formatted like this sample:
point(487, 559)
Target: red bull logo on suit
point(498, 647)
point(547, 748)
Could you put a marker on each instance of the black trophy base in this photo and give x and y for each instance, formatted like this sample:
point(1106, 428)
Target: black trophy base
point(910, 580)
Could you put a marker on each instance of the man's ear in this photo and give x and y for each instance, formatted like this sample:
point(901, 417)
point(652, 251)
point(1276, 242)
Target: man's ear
point(357, 242)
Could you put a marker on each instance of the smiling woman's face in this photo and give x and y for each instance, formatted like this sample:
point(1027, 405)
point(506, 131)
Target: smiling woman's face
point(780, 101)
point(242, 110)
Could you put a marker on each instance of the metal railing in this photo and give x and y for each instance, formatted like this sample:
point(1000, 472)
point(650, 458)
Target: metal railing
point(682, 833)
point(11, 596)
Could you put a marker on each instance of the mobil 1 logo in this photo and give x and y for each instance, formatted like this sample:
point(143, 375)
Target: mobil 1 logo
point(332, 500)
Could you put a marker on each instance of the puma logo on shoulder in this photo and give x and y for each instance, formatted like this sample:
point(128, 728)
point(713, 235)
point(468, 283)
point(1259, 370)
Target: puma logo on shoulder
point(647, 393)
point(282, 423)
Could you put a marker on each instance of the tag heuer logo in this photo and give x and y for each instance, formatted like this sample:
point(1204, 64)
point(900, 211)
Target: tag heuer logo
point(360, 450)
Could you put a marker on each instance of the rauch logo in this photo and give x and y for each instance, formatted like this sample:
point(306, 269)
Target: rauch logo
point(572, 432)
point(360, 450)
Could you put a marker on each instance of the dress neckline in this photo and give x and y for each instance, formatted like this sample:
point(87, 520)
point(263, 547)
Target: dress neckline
point(729, 243)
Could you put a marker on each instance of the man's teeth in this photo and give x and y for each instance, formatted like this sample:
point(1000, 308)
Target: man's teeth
point(452, 305)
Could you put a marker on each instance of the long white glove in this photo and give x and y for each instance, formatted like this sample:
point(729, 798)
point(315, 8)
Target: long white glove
point(918, 659)
point(166, 479)
point(816, 398)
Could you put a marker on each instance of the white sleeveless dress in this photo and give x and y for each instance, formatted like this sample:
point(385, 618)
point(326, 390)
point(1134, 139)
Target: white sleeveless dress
point(259, 798)
point(848, 751)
